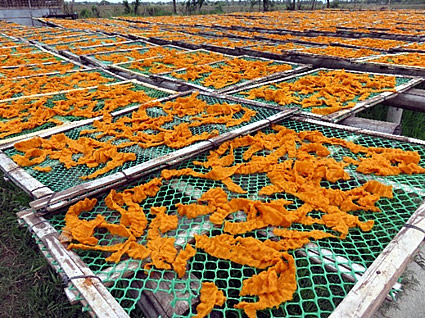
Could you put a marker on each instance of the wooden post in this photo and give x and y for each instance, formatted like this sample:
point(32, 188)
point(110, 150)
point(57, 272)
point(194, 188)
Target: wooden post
point(394, 115)
point(375, 125)
point(412, 99)
point(371, 289)
point(30, 11)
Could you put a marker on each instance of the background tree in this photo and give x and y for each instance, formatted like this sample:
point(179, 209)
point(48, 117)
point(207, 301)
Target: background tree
point(200, 3)
point(174, 7)
point(136, 4)
point(85, 14)
point(127, 8)
point(192, 5)
point(95, 11)
point(252, 4)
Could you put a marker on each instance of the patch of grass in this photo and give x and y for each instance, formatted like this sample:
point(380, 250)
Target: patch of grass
point(28, 285)
point(378, 112)
point(413, 124)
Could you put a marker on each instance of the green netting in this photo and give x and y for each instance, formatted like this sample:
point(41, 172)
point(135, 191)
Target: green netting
point(260, 48)
point(8, 43)
point(56, 266)
point(212, 41)
point(199, 80)
point(103, 74)
point(319, 288)
point(54, 34)
point(399, 81)
point(61, 178)
point(72, 38)
point(94, 41)
point(32, 58)
point(38, 68)
point(150, 91)
point(146, 69)
point(19, 49)
point(118, 46)
point(126, 55)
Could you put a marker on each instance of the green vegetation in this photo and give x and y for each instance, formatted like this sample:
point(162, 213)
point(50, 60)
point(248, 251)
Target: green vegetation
point(127, 8)
point(30, 288)
point(28, 285)
point(105, 9)
point(413, 124)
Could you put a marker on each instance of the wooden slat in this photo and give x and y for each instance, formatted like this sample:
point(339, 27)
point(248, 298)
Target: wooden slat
point(301, 68)
point(19, 176)
point(93, 291)
point(8, 142)
point(68, 196)
point(352, 272)
point(361, 131)
point(413, 99)
point(369, 292)
point(71, 294)
point(342, 114)
point(162, 300)
point(375, 125)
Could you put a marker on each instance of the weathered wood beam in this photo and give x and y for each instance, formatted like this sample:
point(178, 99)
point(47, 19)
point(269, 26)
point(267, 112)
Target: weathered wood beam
point(370, 291)
point(413, 99)
point(375, 125)
point(395, 114)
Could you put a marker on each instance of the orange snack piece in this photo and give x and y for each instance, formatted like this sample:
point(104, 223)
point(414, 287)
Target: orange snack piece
point(410, 59)
point(327, 91)
point(43, 169)
point(378, 188)
point(132, 248)
point(210, 296)
point(27, 113)
point(174, 60)
point(386, 162)
point(50, 83)
point(78, 229)
point(246, 251)
point(292, 239)
point(296, 163)
point(163, 252)
point(231, 72)
point(128, 131)
point(342, 52)
point(179, 264)
point(273, 287)
point(134, 217)
point(161, 223)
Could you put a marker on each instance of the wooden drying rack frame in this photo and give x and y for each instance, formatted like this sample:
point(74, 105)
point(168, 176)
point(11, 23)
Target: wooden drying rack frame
point(362, 300)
